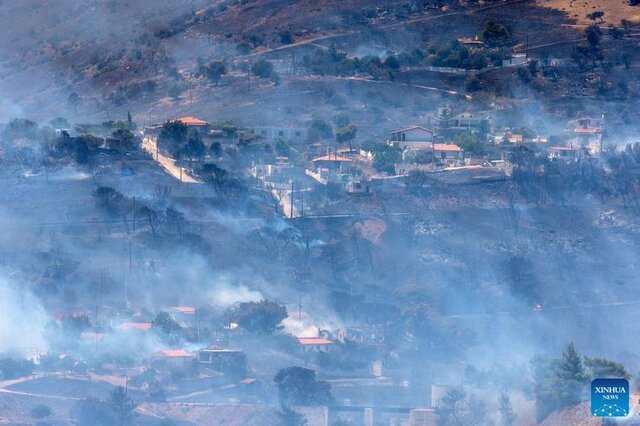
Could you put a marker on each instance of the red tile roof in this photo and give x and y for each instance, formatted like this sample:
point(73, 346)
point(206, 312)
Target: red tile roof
point(192, 121)
point(448, 147)
point(332, 158)
point(311, 341)
point(142, 326)
point(187, 310)
point(588, 130)
point(175, 353)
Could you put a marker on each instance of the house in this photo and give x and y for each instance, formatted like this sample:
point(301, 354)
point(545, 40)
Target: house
point(471, 122)
point(411, 134)
point(175, 357)
point(287, 134)
point(201, 126)
point(330, 169)
point(228, 361)
point(563, 153)
point(588, 133)
point(278, 175)
point(447, 151)
point(471, 42)
point(314, 343)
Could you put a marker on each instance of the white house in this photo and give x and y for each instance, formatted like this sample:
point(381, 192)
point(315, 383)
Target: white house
point(411, 134)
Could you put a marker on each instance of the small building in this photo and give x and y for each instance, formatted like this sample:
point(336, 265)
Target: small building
point(447, 151)
point(227, 361)
point(563, 153)
point(330, 169)
point(314, 343)
point(286, 134)
point(412, 134)
point(471, 122)
point(471, 42)
point(588, 133)
point(174, 357)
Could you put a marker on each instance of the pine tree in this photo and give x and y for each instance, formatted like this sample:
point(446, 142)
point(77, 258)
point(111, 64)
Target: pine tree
point(506, 410)
point(570, 375)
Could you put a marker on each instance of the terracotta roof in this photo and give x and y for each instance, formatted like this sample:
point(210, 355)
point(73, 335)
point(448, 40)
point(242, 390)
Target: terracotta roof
point(192, 121)
point(332, 158)
point(588, 130)
point(447, 147)
point(175, 353)
point(187, 310)
point(311, 341)
point(142, 326)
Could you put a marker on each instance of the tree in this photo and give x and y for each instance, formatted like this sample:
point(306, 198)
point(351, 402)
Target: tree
point(109, 198)
point(322, 128)
point(151, 215)
point(122, 406)
point(595, 15)
point(593, 36)
point(288, 417)
point(173, 136)
point(604, 368)
point(285, 37)
point(165, 323)
point(214, 176)
point(74, 101)
point(262, 317)
point(262, 68)
point(298, 386)
point(346, 134)
point(558, 383)
point(626, 60)
point(341, 120)
point(495, 35)
point(215, 71)
point(508, 416)
point(194, 148)
point(416, 179)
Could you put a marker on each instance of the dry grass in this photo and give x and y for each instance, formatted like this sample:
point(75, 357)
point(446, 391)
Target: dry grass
point(614, 10)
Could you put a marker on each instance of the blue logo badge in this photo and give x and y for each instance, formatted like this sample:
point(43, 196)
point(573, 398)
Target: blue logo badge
point(610, 397)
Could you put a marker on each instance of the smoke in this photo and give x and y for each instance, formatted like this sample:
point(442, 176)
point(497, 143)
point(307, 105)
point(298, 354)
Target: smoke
point(22, 317)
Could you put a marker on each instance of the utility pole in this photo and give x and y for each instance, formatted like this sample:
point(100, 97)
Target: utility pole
point(134, 215)
point(126, 282)
point(198, 324)
point(301, 204)
point(98, 298)
point(300, 307)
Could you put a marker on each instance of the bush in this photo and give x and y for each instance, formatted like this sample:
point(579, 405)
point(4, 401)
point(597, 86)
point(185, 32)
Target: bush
point(261, 317)
point(262, 68)
point(40, 411)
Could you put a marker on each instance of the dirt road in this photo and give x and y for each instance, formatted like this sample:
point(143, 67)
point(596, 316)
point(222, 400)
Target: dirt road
point(169, 164)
